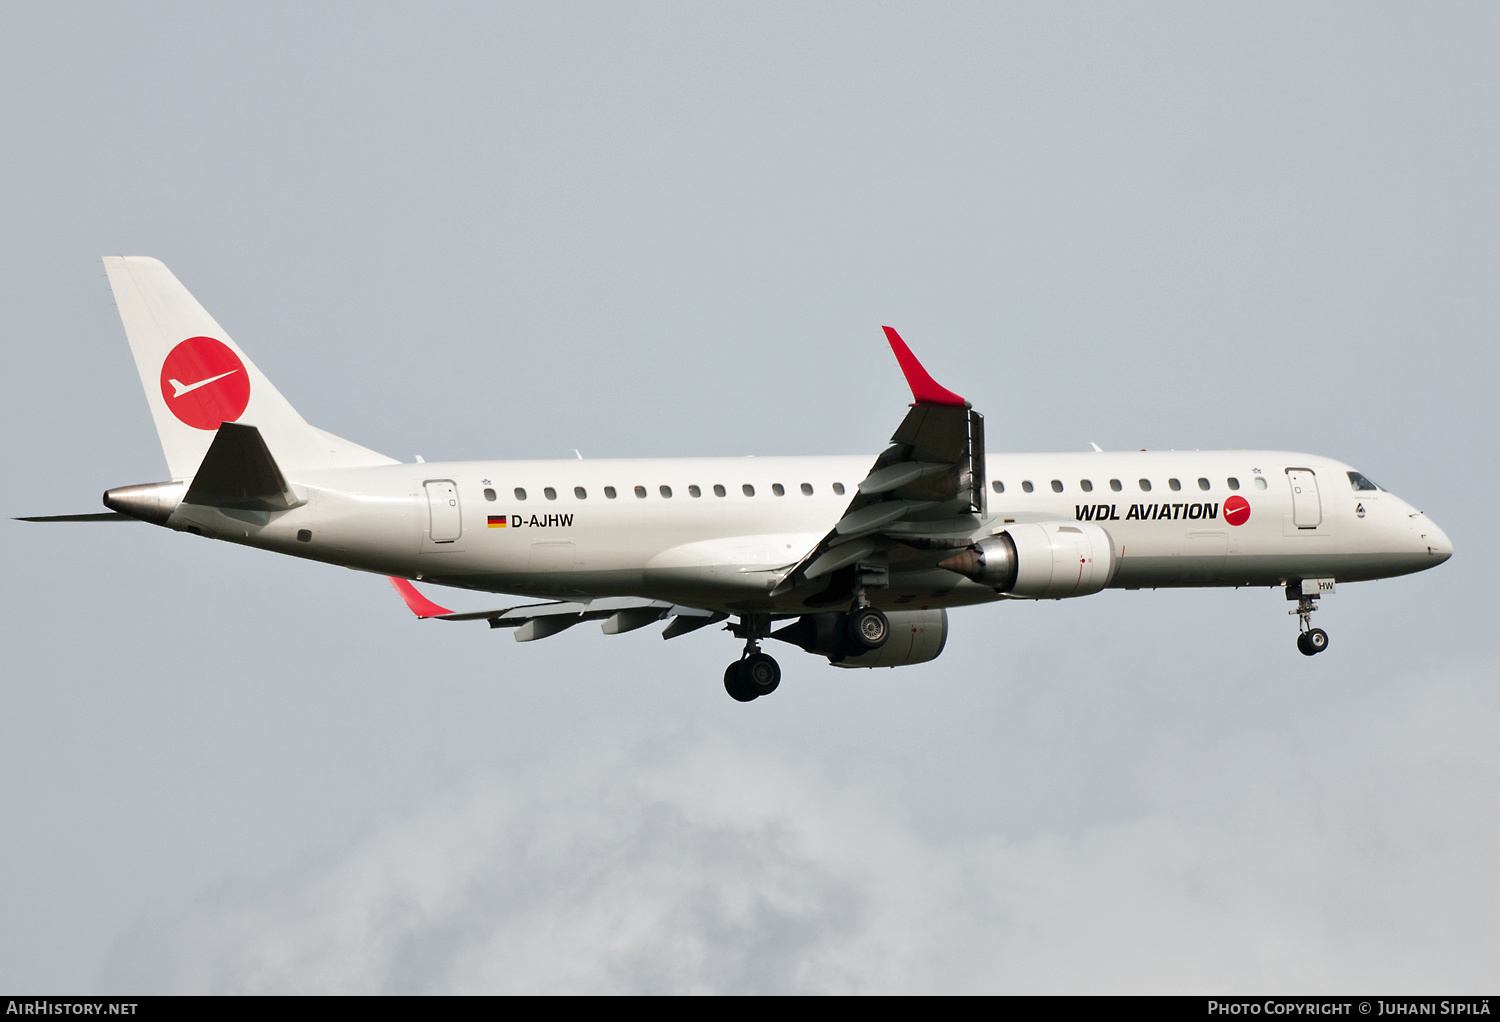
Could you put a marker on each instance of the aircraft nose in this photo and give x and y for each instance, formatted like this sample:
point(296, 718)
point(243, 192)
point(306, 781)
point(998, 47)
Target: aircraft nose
point(1439, 547)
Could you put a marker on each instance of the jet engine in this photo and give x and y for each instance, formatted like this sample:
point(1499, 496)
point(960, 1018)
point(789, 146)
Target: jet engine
point(1040, 560)
point(916, 636)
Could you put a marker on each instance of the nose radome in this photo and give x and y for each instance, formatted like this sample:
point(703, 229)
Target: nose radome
point(1439, 546)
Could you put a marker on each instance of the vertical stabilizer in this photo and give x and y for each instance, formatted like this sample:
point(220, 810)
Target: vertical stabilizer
point(197, 378)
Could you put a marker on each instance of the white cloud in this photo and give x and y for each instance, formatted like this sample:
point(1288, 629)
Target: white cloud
point(1289, 858)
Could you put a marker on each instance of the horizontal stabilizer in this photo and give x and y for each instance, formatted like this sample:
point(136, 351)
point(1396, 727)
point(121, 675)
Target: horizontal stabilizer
point(239, 472)
point(98, 516)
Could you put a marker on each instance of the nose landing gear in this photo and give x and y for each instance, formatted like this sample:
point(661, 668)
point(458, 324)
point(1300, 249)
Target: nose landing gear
point(1310, 641)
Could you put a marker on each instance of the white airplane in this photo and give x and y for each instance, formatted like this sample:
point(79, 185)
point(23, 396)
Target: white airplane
point(853, 558)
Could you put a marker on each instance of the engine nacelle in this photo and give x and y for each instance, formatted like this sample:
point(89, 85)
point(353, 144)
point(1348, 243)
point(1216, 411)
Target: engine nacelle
point(917, 636)
point(1040, 560)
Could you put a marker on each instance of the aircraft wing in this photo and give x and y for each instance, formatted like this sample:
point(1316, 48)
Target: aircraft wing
point(539, 620)
point(924, 493)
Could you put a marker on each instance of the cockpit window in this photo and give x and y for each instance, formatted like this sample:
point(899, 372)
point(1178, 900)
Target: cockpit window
point(1359, 482)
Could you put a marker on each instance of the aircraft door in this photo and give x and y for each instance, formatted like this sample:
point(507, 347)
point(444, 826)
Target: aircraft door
point(1307, 507)
point(445, 523)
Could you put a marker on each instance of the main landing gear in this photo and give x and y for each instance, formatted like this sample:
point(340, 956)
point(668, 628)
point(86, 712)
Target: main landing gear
point(754, 674)
point(834, 635)
point(868, 628)
point(1310, 641)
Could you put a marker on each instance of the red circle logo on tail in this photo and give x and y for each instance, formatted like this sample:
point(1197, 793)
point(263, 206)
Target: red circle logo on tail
point(204, 383)
point(1236, 510)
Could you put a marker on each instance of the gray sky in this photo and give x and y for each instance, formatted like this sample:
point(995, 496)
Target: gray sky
point(662, 230)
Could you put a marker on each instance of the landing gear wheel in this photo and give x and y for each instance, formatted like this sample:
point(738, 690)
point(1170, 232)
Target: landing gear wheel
point(868, 628)
point(1312, 641)
point(760, 674)
point(733, 685)
point(755, 676)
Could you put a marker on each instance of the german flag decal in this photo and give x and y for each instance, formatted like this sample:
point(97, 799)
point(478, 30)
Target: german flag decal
point(498, 521)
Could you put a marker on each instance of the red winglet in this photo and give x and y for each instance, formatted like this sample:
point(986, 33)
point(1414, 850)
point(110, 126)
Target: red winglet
point(419, 604)
point(924, 388)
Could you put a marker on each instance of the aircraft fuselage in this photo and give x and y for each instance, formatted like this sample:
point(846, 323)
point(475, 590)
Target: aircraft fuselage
point(1235, 518)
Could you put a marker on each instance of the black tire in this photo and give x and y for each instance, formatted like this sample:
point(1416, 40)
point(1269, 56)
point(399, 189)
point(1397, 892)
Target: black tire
point(759, 674)
point(734, 686)
point(1302, 646)
point(868, 628)
point(1317, 641)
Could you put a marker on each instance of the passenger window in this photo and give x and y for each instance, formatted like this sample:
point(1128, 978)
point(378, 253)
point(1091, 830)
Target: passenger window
point(693, 491)
point(748, 489)
point(1174, 484)
point(838, 488)
point(997, 486)
point(1026, 486)
point(719, 490)
point(778, 489)
point(1260, 482)
point(1145, 485)
point(666, 491)
point(807, 489)
point(1116, 485)
point(549, 493)
point(489, 494)
point(640, 491)
point(1234, 484)
point(520, 493)
point(1359, 482)
point(580, 493)
point(609, 491)
point(1057, 486)
point(1086, 485)
point(1202, 483)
